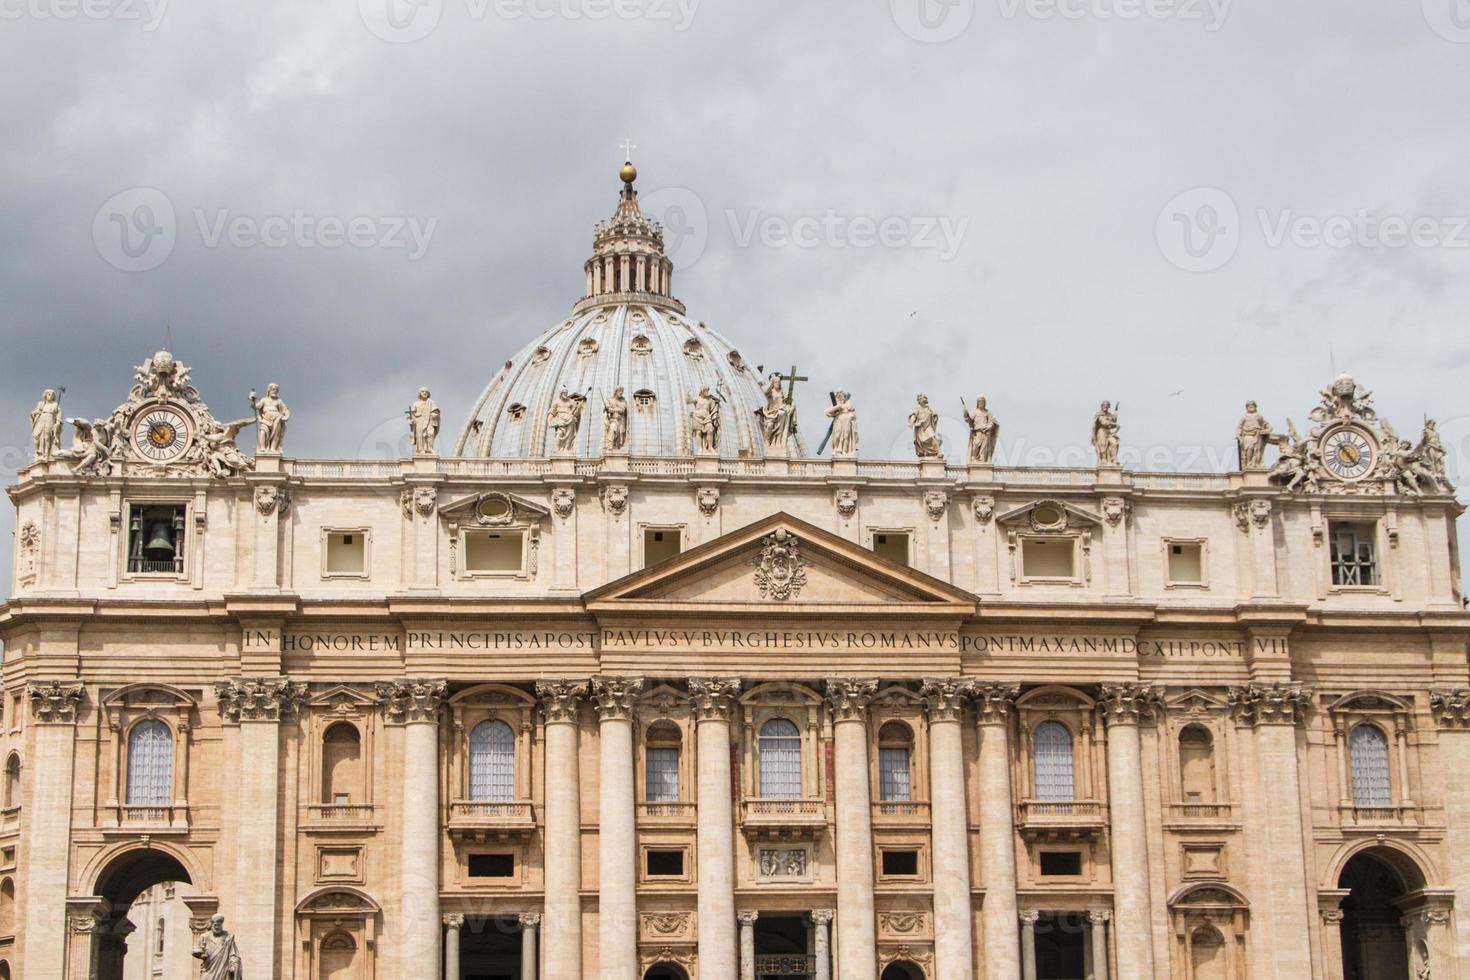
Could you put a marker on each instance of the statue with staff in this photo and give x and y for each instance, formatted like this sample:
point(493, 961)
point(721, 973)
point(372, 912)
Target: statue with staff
point(984, 430)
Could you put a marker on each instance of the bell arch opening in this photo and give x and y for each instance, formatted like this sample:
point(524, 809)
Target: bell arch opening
point(149, 920)
point(1374, 944)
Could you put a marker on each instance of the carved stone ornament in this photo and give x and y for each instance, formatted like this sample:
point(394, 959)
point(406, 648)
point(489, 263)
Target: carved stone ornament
point(1252, 512)
point(269, 499)
point(1115, 509)
point(560, 699)
point(563, 499)
point(1451, 709)
point(259, 698)
point(664, 926)
point(903, 923)
point(84, 924)
point(713, 697)
point(776, 862)
point(1129, 704)
point(823, 916)
point(1269, 704)
point(529, 920)
point(708, 499)
point(615, 499)
point(984, 507)
point(846, 502)
point(419, 502)
point(54, 702)
point(849, 697)
point(453, 921)
point(994, 701)
point(412, 700)
point(945, 697)
point(29, 537)
point(935, 504)
point(780, 568)
point(617, 697)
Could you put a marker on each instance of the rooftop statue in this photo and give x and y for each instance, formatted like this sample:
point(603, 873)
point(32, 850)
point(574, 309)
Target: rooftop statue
point(984, 431)
point(1105, 435)
point(928, 443)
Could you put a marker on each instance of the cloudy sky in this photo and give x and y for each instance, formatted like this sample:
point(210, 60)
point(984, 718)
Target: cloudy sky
point(1176, 204)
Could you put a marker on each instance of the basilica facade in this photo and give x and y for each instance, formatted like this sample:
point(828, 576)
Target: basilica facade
point(625, 680)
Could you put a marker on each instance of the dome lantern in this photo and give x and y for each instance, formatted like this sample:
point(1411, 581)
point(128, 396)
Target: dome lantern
point(628, 263)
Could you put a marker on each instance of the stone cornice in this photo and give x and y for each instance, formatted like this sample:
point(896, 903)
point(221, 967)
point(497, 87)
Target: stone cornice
point(55, 702)
point(713, 698)
point(617, 697)
point(259, 698)
point(849, 697)
point(945, 697)
point(1268, 704)
point(1451, 708)
point(994, 701)
point(1129, 703)
point(560, 699)
point(415, 700)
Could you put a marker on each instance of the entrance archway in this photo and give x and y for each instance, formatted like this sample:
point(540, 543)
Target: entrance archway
point(1374, 946)
point(145, 889)
point(899, 970)
point(665, 971)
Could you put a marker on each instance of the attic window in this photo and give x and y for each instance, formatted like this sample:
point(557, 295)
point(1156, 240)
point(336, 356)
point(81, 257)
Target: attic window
point(1186, 562)
point(641, 345)
point(1049, 558)
point(736, 361)
point(346, 553)
point(893, 545)
point(496, 553)
point(693, 349)
point(516, 412)
point(541, 356)
point(660, 544)
point(643, 399)
point(587, 348)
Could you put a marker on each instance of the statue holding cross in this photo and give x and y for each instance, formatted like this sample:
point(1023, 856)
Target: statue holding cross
point(778, 417)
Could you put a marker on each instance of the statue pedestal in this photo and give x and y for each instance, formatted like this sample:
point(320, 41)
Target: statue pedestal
point(777, 466)
point(981, 472)
point(1111, 475)
point(564, 464)
point(616, 463)
point(844, 466)
point(424, 463)
point(1256, 478)
point(931, 468)
point(267, 461)
point(706, 463)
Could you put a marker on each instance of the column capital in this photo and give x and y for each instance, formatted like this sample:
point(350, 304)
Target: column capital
point(617, 697)
point(55, 702)
point(1332, 916)
point(823, 917)
point(1099, 917)
point(747, 917)
point(945, 697)
point(529, 920)
point(1451, 708)
point(454, 920)
point(994, 700)
point(1268, 704)
point(849, 696)
point(413, 700)
point(560, 699)
point(713, 698)
point(1129, 704)
point(1029, 917)
point(259, 698)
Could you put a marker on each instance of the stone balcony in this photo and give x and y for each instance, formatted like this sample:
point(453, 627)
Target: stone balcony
point(668, 813)
point(1197, 815)
point(770, 819)
point(135, 818)
point(1061, 819)
point(483, 820)
point(1376, 819)
point(900, 814)
point(338, 818)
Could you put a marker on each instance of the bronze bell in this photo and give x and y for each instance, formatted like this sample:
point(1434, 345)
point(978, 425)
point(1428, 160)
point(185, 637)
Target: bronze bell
point(160, 546)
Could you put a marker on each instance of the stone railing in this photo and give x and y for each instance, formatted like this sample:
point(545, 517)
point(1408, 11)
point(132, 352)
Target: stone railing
point(668, 811)
point(785, 965)
point(1379, 816)
point(1058, 819)
point(1196, 810)
point(905, 812)
point(783, 818)
point(484, 819)
point(340, 813)
point(134, 815)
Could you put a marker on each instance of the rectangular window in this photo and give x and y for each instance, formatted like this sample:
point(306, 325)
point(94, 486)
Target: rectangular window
point(499, 551)
point(665, 864)
point(660, 544)
point(900, 864)
point(1352, 551)
point(1061, 863)
point(156, 539)
point(893, 775)
point(663, 775)
point(492, 865)
point(1049, 558)
point(1186, 563)
point(893, 545)
point(346, 553)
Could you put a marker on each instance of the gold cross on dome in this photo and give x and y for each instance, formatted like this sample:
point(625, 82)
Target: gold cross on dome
point(628, 146)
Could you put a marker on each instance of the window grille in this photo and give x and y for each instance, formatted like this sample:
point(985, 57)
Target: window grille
point(1352, 556)
point(893, 774)
point(780, 760)
point(663, 774)
point(150, 764)
point(492, 762)
point(1368, 748)
point(1052, 748)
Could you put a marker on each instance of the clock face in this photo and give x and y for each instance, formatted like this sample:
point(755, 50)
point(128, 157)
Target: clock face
point(1348, 453)
point(161, 434)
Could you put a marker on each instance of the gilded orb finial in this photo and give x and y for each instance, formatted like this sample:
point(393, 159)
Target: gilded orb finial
point(629, 173)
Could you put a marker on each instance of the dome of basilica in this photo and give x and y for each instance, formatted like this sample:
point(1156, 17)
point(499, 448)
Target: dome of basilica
point(628, 332)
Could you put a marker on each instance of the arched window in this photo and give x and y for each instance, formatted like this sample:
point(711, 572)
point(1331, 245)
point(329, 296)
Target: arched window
point(1207, 954)
point(342, 765)
point(12, 781)
point(780, 760)
point(150, 764)
point(895, 755)
point(492, 762)
point(661, 763)
point(1052, 748)
point(7, 907)
point(338, 957)
point(1196, 764)
point(1368, 748)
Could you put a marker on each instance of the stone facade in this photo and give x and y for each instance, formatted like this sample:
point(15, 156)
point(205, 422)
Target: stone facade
point(727, 716)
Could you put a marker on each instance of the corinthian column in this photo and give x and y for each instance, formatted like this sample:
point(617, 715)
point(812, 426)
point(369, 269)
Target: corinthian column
point(1273, 710)
point(259, 705)
point(1451, 710)
point(953, 930)
point(993, 703)
point(822, 942)
point(561, 833)
point(617, 916)
point(1124, 706)
point(529, 922)
point(414, 704)
point(48, 824)
point(857, 944)
point(452, 926)
point(713, 701)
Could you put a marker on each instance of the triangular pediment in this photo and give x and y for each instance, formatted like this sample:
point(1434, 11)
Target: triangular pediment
point(782, 564)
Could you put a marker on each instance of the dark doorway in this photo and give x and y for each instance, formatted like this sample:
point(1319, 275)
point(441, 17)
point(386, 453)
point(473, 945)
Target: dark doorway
point(1373, 946)
point(902, 971)
point(665, 971)
point(781, 947)
point(490, 949)
point(135, 874)
point(1061, 944)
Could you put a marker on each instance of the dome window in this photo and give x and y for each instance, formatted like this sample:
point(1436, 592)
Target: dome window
point(587, 348)
point(542, 355)
point(643, 400)
point(693, 349)
point(641, 345)
point(516, 412)
point(736, 361)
